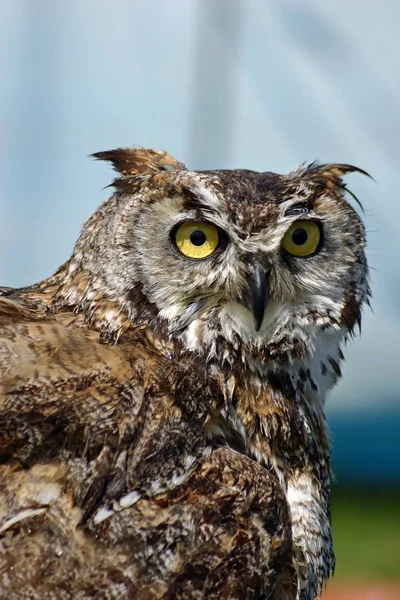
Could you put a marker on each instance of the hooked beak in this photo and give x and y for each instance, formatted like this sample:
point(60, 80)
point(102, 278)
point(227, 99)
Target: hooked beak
point(258, 293)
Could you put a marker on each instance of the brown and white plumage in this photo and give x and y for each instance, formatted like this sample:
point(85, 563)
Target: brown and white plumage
point(160, 436)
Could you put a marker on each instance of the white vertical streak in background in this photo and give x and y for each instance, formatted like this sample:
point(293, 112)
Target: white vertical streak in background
point(215, 75)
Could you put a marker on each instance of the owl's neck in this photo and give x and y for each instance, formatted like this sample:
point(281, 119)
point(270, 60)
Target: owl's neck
point(273, 409)
point(296, 343)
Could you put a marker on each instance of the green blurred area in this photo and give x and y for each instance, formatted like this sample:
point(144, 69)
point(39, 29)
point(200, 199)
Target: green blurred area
point(366, 534)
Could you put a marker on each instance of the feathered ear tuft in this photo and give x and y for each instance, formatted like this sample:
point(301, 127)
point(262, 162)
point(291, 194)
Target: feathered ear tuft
point(330, 176)
point(139, 161)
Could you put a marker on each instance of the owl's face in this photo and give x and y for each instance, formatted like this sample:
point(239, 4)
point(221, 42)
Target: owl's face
point(263, 257)
point(256, 259)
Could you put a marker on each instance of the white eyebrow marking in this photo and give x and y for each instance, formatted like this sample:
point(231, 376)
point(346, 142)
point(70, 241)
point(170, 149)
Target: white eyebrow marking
point(210, 198)
point(288, 204)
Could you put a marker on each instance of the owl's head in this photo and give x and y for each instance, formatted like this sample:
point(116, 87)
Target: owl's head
point(260, 259)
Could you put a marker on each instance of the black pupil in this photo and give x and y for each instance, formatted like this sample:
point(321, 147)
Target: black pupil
point(299, 236)
point(198, 238)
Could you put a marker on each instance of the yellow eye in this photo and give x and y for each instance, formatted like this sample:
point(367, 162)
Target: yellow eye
point(302, 238)
point(197, 240)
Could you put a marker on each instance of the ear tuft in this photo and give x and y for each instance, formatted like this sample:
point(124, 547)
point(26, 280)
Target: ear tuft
point(329, 176)
point(139, 161)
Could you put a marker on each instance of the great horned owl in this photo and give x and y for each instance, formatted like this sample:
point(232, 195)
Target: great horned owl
point(162, 394)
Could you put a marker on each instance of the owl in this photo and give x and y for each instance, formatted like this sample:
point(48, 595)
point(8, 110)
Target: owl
point(162, 395)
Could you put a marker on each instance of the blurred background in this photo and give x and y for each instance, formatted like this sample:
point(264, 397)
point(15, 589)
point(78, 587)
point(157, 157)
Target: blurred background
point(255, 84)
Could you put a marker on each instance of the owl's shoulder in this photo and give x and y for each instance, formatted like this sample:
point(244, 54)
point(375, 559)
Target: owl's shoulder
point(43, 349)
point(59, 385)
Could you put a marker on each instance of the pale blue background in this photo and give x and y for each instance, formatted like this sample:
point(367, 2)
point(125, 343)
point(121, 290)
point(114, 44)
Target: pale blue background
point(218, 83)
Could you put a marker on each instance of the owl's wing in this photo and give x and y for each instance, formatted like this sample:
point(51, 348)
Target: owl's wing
point(108, 488)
